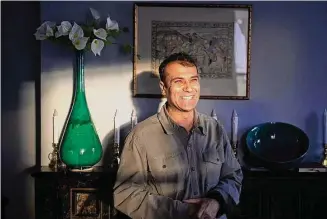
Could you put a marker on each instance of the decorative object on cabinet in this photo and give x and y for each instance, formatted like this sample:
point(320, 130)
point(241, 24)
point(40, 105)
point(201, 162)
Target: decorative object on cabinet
point(133, 119)
point(79, 145)
point(116, 150)
point(219, 42)
point(234, 131)
point(277, 145)
point(214, 115)
point(53, 157)
point(324, 163)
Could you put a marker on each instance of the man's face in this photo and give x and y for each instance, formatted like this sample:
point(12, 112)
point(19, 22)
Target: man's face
point(181, 86)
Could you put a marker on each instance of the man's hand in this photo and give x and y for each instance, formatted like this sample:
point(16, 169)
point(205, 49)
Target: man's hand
point(208, 208)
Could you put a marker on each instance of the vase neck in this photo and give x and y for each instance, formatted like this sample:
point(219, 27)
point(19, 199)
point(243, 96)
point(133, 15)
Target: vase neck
point(79, 71)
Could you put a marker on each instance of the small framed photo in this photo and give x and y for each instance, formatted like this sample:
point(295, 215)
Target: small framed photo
point(218, 37)
point(85, 204)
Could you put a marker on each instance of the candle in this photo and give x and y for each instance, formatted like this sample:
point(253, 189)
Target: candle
point(133, 119)
point(117, 131)
point(234, 127)
point(214, 115)
point(325, 126)
point(54, 126)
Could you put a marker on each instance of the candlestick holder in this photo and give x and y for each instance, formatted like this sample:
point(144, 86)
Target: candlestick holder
point(55, 162)
point(116, 158)
point(324, 163)
point(234, 147)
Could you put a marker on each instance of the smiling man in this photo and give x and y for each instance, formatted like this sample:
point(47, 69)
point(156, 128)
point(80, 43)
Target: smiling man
point(178, 164)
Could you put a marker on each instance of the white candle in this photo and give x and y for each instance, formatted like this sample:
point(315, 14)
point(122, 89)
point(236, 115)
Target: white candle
point(234, 127)
point(54, 127)
point(117, 130)
point(133, 119)
point(325, 126)
point(214, 115)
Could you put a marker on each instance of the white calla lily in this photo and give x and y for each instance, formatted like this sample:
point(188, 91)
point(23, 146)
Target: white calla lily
point(95, 14)
point(94, 34)
point(96, 46)
point(76, 32)
point(111, 25)
point(80, 42)
point(49, 31)
point(45, 24)
point(64, 29)
point(100, 33)
point(45, 30)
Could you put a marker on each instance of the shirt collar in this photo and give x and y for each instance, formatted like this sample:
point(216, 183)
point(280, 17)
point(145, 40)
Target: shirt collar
point(169, 125)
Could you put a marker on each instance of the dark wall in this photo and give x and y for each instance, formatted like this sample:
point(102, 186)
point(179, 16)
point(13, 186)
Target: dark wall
point(20, 98)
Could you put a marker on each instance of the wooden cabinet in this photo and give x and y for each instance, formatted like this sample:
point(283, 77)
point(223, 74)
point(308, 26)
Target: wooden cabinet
point(73, 195)
point(282, 195)
point(265, 195)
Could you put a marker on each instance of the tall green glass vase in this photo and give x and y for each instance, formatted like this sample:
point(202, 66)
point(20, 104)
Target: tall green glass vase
point(80, 146)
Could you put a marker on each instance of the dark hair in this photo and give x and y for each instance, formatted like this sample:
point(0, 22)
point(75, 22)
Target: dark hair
point(181, 57)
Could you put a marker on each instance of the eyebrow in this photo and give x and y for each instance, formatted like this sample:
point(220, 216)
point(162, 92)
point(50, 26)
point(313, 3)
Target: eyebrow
point(196, 76)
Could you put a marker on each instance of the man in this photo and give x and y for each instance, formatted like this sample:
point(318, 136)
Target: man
point(178, 164)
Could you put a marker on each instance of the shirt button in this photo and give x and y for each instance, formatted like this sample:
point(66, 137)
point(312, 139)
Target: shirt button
point(192, 168)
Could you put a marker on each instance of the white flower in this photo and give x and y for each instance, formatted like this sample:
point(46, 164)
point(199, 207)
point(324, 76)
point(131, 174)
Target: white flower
point(49, 31)
point(100, 33)
point(76, 32)
point(111, 25)
point(97, 46)
point(80, 42)
point(45, 30)
point(95, 14)
point(63, 29)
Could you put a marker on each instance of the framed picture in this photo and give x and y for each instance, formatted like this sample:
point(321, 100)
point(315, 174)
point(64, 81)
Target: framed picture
point(218, 37)
point(84, 204)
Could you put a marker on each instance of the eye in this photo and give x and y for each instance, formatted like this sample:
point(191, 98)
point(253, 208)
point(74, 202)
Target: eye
point(178, 82)
point(194, 80)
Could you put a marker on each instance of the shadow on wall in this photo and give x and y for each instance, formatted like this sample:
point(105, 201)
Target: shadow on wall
point(144, 107)
point(20, 109)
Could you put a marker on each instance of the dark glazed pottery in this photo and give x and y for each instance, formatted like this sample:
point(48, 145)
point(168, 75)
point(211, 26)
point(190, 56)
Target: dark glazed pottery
point(277, 145)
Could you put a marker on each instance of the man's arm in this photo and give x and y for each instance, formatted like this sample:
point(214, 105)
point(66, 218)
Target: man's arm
point(132, 194)
point(227, 191)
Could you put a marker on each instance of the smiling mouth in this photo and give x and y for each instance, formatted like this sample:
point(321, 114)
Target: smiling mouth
point(187, 97)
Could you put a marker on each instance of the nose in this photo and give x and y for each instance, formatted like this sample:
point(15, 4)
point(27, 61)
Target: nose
point(187, 87)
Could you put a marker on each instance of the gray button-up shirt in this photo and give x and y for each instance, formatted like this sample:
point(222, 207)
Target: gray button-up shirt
point(162, 165)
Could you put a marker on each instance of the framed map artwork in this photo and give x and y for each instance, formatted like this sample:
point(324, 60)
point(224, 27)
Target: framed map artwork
point(218, 37)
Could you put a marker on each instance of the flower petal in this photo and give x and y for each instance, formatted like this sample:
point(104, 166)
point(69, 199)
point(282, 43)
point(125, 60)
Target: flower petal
point(39, 36)
point(45, 24)
point(65, 27)
point(100, 33)
point(97, 46)
point(95, 14)
point(49, 31)
point(45, 30)
point(111, 25)
point(76, 32)
point(80, 43)
point(58, 33)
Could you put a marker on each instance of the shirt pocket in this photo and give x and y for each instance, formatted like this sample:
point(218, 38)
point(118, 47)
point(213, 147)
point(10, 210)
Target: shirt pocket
point(169, 172)
point(213, 161)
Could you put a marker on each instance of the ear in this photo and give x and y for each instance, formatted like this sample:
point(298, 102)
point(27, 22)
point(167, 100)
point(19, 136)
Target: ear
point(162, 88)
